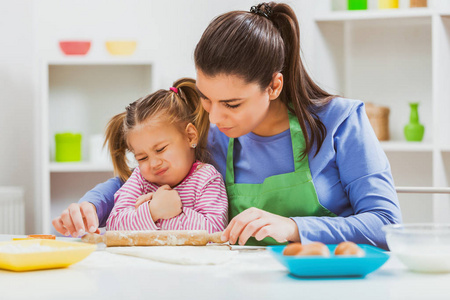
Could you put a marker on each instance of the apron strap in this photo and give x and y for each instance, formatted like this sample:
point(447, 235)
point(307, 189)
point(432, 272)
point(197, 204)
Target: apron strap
point(298, 142)
point(229, 175)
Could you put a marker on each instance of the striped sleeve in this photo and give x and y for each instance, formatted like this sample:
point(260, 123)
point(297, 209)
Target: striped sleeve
point(124, 216)
point(209, 212)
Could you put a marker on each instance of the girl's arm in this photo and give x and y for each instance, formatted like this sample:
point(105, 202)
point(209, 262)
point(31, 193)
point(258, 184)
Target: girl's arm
point(102, 197)
point(209, 212)
point(124, 215)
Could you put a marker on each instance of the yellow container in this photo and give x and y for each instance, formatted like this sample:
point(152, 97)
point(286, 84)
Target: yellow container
point(387, 4)
point(24, 255)
point(121, 47)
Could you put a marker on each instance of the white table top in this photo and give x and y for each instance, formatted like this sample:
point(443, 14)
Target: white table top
point(250, 275)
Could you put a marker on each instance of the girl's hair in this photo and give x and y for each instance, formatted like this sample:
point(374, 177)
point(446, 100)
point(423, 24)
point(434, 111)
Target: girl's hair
point(254, 46)
point(180, 108)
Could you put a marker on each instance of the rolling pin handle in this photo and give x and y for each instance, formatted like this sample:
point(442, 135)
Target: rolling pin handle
point(92, 238)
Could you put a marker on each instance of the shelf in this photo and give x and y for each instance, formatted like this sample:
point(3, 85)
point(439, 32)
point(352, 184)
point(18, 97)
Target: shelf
point(399, 146)
point(339, 16)
point(445, 148)
point(422, 190)
point(71, 167)
point(82, 60)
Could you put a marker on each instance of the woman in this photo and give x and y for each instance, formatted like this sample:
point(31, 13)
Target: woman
point(299, 164)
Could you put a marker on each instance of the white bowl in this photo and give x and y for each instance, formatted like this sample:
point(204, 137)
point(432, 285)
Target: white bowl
point(421, 247)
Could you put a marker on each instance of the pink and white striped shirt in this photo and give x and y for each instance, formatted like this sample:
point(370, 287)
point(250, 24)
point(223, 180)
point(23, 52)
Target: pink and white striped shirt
point(202, 194)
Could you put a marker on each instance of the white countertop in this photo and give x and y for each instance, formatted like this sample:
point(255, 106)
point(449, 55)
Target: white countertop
point(250, 275)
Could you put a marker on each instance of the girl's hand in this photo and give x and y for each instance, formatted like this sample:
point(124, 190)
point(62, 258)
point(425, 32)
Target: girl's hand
point(260, 224)
point(142, 199)
point(165, 204)
point(77, 219)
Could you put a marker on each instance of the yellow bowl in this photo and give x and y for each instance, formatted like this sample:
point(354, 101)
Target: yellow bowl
point(25, 255)
point(121, 47)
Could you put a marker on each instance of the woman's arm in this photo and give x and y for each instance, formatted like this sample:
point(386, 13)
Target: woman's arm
point(124, 215)
point(369, 195)
point(102, 197)
point(366, 179)
point(90, 212)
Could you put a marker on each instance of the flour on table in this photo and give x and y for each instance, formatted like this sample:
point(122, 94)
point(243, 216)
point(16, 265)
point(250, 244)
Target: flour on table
point(181, 255)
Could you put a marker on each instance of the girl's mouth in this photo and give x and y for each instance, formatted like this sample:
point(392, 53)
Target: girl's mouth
point(161, 172)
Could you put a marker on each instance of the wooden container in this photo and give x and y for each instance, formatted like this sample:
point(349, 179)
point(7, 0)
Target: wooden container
point(418, 3)
point(379, 119)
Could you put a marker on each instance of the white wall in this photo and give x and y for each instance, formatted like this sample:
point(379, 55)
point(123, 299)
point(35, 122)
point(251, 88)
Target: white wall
point(17, 95)
point(166, 31)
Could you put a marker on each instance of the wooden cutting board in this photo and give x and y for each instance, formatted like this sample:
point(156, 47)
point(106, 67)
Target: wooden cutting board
point(154, 238)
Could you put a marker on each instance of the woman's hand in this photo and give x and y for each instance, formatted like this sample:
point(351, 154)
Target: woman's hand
point(165, 203)
point(76, 218)
point(260, 224)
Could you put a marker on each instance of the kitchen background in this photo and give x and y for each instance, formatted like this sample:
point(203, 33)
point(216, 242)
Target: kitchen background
point(389, 57)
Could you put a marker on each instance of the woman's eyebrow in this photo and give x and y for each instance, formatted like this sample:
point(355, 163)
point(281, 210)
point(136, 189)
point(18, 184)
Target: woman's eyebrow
point(200, 93)
point(223, 101)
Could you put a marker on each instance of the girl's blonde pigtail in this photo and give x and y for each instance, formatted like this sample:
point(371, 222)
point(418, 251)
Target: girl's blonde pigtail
point(115, 138)
point(200, 117)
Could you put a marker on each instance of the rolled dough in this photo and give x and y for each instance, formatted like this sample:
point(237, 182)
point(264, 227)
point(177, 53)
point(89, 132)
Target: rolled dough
point(181, 255)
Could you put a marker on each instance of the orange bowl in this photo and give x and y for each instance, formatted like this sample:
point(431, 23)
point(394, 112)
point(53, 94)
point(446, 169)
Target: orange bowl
point(75, 47)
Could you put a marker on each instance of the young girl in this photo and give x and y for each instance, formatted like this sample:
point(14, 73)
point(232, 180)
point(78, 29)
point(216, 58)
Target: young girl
point(299, 163)
point(175, 190)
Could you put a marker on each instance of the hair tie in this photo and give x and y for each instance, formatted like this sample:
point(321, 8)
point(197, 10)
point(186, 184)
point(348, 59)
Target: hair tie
point(174, 89)
point(262, 9)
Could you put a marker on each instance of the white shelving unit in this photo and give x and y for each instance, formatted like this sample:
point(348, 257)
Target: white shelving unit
point(81, 94)
point(391, 58)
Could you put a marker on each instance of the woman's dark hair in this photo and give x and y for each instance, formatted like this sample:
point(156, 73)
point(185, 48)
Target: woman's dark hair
point(254, 46)
point(179, 108)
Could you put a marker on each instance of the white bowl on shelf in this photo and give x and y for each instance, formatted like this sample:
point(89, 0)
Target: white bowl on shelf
point(421, 247)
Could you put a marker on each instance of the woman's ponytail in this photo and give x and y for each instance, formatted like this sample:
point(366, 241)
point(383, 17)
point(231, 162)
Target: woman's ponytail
point(300, 90)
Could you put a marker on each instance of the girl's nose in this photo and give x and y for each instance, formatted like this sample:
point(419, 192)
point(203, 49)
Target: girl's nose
point(155, 162)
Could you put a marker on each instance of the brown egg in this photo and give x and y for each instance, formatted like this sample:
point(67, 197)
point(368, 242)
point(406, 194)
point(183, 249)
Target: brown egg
point(293, 249)
point(348, 248)
point(315, 248)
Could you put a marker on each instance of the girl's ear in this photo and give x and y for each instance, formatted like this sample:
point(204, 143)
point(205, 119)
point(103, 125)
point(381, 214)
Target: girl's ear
point(192, 135)
point(276, 86)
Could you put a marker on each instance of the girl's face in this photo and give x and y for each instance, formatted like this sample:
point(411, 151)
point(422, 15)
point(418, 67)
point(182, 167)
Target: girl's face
point(165, 155)
point(235, 106)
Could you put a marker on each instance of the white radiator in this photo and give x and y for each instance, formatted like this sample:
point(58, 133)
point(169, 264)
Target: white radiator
point(12, 210)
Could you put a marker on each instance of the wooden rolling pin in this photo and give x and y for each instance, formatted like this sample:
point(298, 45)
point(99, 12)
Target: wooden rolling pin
point(154, 238)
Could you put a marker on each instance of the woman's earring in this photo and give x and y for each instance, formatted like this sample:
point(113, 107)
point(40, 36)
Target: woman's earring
point(194, 145)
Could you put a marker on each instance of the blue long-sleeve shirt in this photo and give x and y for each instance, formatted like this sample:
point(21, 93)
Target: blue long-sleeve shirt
point(351, 175)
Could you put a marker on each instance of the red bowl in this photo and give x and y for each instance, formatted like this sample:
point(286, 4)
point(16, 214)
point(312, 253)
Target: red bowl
point(75, 47)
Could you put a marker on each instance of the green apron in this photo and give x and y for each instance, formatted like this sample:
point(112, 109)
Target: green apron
point(289, 195)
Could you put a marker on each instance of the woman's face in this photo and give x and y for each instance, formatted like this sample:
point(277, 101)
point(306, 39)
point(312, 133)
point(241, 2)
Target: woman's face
point(164, 153)
point(235, 106)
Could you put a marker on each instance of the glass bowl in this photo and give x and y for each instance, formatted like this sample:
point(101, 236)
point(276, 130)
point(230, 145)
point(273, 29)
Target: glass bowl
point(75, 47)
point(420, 247)
point(121, 47)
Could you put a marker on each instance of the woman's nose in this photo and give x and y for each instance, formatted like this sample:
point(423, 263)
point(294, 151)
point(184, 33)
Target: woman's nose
point(215, 114)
